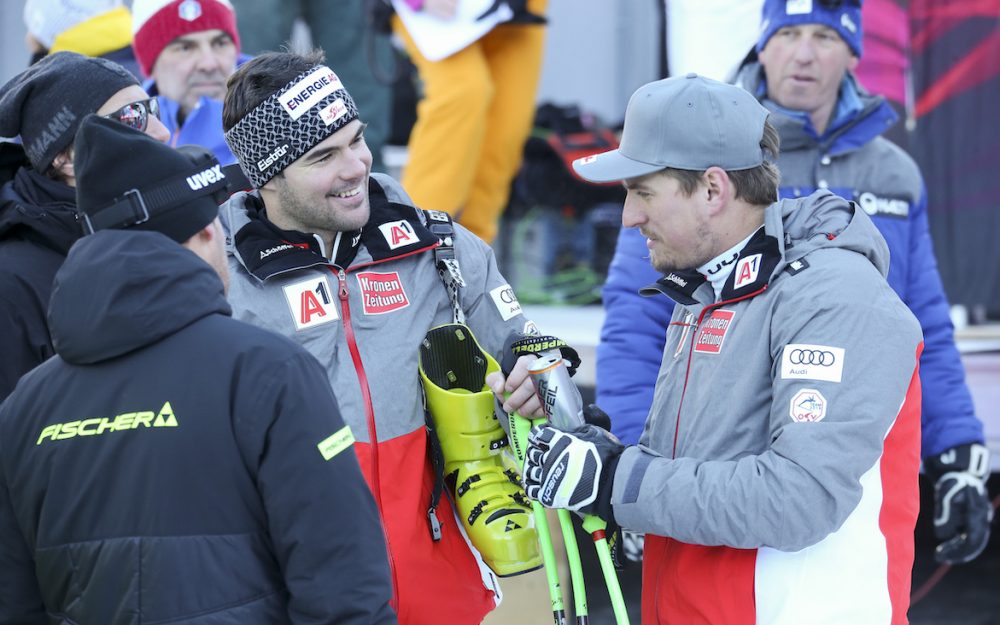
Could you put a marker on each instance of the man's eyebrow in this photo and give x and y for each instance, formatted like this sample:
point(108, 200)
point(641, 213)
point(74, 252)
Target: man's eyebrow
point(320, 153)
point(634, 186)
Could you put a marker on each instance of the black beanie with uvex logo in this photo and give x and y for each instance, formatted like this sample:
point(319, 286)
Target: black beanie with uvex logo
point(179, 187)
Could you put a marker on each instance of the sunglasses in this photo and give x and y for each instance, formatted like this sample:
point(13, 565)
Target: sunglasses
point(136, 114)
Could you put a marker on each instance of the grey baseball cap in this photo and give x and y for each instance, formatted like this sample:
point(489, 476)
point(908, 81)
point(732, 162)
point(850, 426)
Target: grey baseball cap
point(686, 122)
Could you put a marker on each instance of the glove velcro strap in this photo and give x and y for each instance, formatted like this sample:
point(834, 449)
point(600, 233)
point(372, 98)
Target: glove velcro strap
point(538, 344)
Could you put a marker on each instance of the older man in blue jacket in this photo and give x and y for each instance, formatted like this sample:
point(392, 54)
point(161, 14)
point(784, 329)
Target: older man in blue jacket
point(830, 131)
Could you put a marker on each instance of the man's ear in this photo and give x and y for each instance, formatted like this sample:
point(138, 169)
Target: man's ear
point(62, 164)
point(717, 188)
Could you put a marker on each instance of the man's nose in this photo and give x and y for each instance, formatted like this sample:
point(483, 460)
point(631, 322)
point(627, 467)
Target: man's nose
point(632, 217)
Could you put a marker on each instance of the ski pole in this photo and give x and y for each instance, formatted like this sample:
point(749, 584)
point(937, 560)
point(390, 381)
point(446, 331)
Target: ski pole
point(563, 406)
point(518, 428)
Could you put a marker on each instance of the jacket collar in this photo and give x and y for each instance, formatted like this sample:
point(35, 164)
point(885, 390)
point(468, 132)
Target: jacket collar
point(860, 116)
point(752, 272)
point(393, 230)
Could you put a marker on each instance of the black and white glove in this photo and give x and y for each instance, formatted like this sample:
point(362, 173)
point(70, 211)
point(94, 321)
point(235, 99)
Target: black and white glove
point(962, 510)
point(572, 470)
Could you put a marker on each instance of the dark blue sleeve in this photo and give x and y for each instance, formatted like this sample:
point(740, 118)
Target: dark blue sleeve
point(20, 597)
point(324, 525)
point(632, 338)
point(948, 418)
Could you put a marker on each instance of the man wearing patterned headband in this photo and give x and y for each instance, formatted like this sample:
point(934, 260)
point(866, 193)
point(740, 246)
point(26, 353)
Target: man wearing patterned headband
point(339, 259)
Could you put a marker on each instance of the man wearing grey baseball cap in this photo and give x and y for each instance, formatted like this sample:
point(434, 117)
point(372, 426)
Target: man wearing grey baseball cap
point(776, 477)
point(832, 137)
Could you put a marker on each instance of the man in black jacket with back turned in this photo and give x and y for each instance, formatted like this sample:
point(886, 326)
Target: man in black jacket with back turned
point(171, 464)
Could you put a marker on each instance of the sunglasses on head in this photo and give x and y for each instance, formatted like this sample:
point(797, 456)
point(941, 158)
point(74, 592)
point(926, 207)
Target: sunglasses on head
point(136, 114)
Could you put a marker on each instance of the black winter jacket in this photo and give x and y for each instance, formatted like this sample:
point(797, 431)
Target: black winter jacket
point(37, 227)
point(173, 465)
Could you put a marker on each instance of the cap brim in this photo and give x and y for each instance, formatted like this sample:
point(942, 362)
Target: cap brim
point(612, 166)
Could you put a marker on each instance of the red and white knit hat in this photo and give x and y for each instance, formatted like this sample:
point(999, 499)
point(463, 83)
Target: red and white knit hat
point(155, 23)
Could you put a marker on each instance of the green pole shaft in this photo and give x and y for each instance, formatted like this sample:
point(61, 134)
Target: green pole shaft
point(519, 428)
point(597, 526)
point(575, 567)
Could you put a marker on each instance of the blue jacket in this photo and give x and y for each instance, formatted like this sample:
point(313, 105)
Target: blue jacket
point(854, 161)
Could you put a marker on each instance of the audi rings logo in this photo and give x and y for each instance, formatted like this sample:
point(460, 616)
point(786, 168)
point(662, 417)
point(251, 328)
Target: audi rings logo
point(819, 357)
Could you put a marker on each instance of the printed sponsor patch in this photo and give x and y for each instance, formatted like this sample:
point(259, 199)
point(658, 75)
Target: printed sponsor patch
point(333, 112)
point(438, 216)
point(531, 329)
point(848, 23)
point(585, 160)
point(713, 332)
point(336, 443)
point(189, 10)
point(506, 302)
point(747, 270)
point(398, 234)
point(797, 266)
point(274, 250)
point(308, 92)
point(381, 292)
point(271, 158)
point(885, 206)
point(812, 362)
point(798, 7)
point(807, 406)
point(311, 303)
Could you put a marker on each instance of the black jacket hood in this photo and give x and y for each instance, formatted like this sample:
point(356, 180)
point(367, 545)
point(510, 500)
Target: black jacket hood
point(121, 290)
point(39, 209)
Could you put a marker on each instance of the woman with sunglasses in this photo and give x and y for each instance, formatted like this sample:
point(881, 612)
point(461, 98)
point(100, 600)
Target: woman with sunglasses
point(44, 106)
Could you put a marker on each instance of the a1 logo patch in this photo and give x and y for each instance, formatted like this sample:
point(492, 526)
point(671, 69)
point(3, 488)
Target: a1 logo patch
point(381, 292)
point(311, 303)
point(746, 271)
point(713, 332)
point(398, 234)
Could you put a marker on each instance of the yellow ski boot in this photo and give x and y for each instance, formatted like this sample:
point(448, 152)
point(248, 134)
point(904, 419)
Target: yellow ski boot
point(494, 510)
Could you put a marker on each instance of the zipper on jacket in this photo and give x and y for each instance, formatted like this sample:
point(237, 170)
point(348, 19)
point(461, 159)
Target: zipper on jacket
point(694, 339)
point(366, 395)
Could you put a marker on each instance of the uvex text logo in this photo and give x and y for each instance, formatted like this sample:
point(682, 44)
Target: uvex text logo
point(204, 178)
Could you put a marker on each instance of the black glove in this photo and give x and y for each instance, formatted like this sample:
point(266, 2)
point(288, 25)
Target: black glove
point(573, 470)
point(593, 415)
point(962, 510)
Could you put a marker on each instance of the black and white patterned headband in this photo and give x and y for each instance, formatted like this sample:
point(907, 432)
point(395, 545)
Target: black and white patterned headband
point(289, 123)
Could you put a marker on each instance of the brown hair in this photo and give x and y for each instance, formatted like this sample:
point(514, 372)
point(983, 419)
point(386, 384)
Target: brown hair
point(758, 186)
point(261, 76)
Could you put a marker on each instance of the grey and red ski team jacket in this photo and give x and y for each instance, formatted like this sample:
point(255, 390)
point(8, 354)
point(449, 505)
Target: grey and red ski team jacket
point(363, 315)
point(776, 478)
